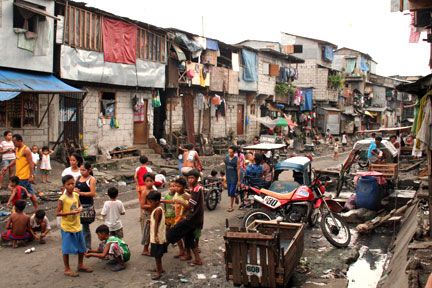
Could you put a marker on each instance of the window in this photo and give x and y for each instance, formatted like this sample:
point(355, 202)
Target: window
point(19, 112)
point(151, 46)
point(108, 104)
point(266, 68)
point(25, 19)
point(83, 29)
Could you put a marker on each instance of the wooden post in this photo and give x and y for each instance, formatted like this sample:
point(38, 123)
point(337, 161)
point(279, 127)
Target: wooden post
point(170, 119)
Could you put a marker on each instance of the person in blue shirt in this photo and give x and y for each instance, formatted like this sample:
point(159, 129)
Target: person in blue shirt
point(374, 153)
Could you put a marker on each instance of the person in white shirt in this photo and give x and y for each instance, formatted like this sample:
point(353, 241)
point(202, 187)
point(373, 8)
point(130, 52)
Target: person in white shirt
point(7, 151)
point(39, 223)
point(75, 161)
point(112, 210)
point(160, 179)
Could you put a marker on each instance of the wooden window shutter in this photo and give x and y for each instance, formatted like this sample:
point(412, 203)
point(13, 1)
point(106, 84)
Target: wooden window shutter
point(274, 70)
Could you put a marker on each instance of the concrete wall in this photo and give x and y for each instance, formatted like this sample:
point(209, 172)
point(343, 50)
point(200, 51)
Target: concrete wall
point(266, 83)
point(262, 45)
point(244, 85)
point(379, 96)
point(12, 56)
point(106, 136)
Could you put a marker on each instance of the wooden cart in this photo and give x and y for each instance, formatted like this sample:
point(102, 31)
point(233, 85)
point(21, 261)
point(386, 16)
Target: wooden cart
point(265, 256)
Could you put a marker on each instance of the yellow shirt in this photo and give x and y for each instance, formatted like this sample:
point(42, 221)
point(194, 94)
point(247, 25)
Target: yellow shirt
point(22, 166)
point(70, 223)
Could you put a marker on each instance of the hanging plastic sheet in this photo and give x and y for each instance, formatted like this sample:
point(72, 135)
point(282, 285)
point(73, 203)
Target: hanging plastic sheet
point(250, 66)
point(363, 65)
point(191, 45)
point(307, 104)
point(180, 54)
point(119, 41)
point(350, 65)
point(212, 45)
point(328, 53)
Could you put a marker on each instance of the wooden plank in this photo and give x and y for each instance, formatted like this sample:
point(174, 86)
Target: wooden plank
point(271, 264)
point(243, 261)
point(235, 251)
point(228, 260)
point(245, 235)
point(91, 31)
point(85, 29)
point(264, 265)
point(74, 26)
point(145, 45)
point(254, 280)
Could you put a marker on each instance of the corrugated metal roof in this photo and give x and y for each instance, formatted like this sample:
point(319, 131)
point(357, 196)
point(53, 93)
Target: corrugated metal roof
point(13, 82)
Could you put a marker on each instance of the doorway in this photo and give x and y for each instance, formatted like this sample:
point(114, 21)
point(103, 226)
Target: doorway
point(70, 119)
point(141, 129)
point(240, 119)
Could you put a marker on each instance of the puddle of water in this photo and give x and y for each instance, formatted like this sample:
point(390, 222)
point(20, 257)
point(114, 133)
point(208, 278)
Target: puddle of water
point(367, 270)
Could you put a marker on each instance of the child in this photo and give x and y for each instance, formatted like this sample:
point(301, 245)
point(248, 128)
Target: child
point(17, 192)
point(160, 179)
point(69, 208)
point(39, 223)
point(45, 164)
point(190, 227)
point(35, 156)
point(139, 174)
point(111, 211)
point(224, 181)
point(344, 141)
point(181, 200)
point(113, 247)
point(336, 149)
point(7, 152)
point(145, 212)
point(17, 225)
point(157, 232)
point(169, 209)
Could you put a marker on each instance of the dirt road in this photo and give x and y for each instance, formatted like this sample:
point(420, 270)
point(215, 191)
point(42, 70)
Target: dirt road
point(44, 267)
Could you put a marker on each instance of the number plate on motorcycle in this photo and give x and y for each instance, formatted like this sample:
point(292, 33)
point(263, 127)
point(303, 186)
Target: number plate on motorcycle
point(271, 202)
point(253, 270)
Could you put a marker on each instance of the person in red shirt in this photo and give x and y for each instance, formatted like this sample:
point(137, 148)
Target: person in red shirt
point(17, 192)
point(139, 175)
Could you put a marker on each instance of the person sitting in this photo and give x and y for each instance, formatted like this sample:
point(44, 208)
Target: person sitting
point(374, 152)
point(17, 225)
point(160, 179)
point(39, 223)
point(113, 247)
point(254, 172)
point(267, 173)
point(17, 192)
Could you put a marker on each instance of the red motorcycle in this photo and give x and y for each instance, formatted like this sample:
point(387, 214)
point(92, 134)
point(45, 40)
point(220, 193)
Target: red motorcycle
point(303, 205)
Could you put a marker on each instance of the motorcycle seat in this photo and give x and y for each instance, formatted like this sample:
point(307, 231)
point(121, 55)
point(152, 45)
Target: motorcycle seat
point(285, 196)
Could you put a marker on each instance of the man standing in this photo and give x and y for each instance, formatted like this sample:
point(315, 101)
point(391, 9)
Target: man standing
point(374, 153)
point(24, 166)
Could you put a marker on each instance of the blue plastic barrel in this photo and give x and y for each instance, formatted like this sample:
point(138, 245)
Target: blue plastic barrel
point(367, 193)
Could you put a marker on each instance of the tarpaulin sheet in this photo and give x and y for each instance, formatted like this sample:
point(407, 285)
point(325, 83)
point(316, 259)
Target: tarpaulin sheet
point(12, 83)
point(119, 41)
point(328, 53)
point(307, 104)
point(212, 45)
point(363, 65)
point(350, 65)
point(250, 66)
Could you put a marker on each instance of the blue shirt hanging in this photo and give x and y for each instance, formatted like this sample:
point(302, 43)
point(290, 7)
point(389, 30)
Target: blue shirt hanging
point(307, 104)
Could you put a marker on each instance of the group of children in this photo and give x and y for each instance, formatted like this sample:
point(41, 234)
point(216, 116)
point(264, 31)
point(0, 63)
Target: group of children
point(42, 160)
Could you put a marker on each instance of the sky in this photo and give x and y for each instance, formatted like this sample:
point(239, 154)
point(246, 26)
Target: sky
point(366, 25)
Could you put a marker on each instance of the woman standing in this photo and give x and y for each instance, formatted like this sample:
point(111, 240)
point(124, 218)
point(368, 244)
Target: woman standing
point(232, 175)
point(75, 162)
point(86, 189)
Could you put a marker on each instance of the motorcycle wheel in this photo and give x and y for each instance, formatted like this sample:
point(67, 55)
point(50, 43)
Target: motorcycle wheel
point(257, 214)
point(212, 200)
point(363, 163)
point(332, 231)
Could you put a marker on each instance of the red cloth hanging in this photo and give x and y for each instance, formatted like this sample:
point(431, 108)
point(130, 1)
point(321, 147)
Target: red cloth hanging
point(119, 41)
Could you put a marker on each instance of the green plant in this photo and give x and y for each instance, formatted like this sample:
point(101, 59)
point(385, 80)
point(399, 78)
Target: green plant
point(284, 89)
point(336, 81)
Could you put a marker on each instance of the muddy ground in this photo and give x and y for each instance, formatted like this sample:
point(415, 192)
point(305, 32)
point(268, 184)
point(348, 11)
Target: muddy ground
point(321, 262)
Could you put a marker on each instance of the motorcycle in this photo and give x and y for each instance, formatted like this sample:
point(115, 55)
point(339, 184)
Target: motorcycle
point(212, 193)
point(305, 204)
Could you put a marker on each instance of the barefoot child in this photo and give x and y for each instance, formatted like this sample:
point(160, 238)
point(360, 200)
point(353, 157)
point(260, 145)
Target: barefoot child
point(149, 179)
point(39, 223)
point(17, 192)
point(139, 174)
point(157, 232)
point(17, 225)
point(181, 200)
point(168, 203)
point(45, 163)
point(69, 208)
point(113, 247)
point(189, 228)
point(111, 211)
point(336, 149)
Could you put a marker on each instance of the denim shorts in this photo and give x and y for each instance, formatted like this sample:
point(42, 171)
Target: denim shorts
point(27, 185)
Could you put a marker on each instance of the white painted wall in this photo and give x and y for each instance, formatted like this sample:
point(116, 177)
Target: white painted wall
point(13, 57)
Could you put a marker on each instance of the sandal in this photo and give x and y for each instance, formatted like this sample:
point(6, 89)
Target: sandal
point(230, 210)
point(156, 276)
point(178, 256)
point(185, 258)
point(195, 263)
point(146, 254)
point(71, 273)
point(85, 269)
